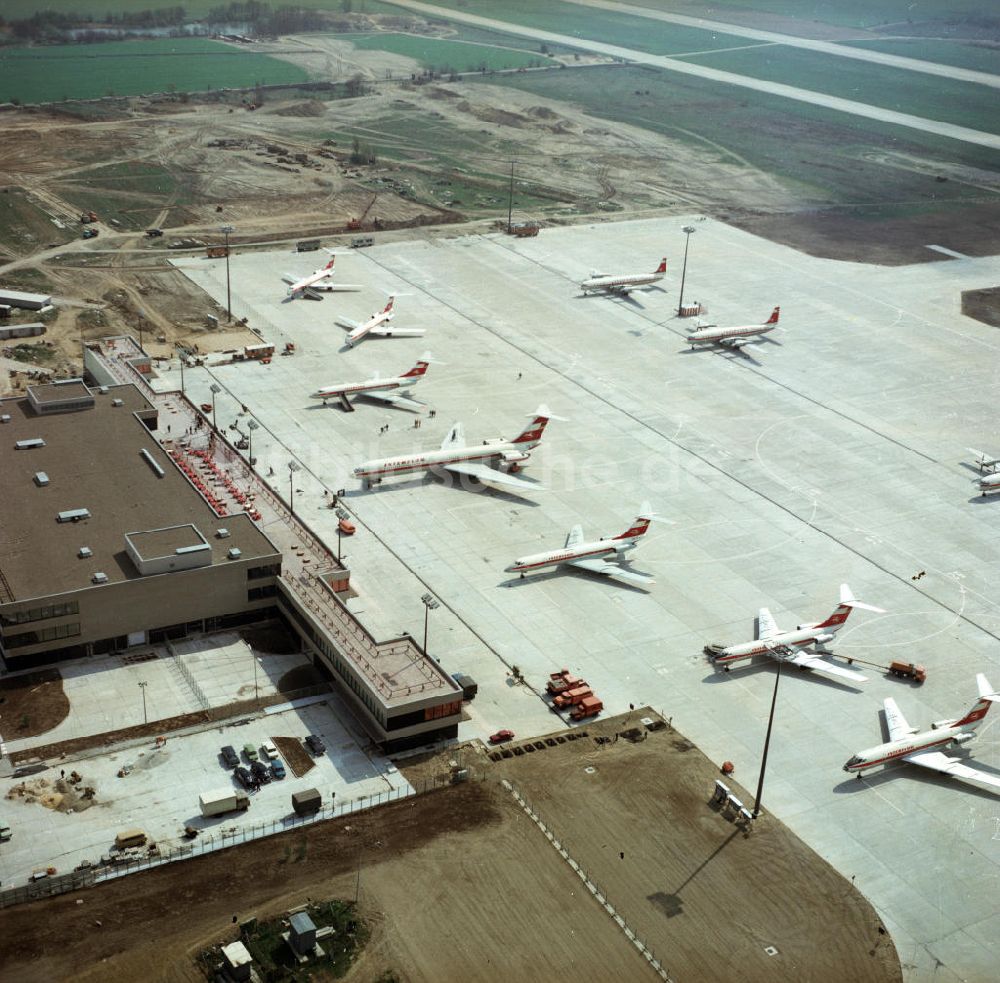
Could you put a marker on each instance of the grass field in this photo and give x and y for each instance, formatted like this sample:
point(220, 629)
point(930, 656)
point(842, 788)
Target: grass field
point(818, 151)
point(930, 96)
point(846, 13)
point(448, 56)
point(962, 54)
point(88, 71)
point(24, 227)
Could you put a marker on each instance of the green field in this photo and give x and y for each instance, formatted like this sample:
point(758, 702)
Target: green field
point(88, 71)
point(819, 152)
point(845, 13)
point(962, 54)
point(448, 56)
point(24, 227)
point(899, 89)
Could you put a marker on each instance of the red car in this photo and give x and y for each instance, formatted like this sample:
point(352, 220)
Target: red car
point(500, 736)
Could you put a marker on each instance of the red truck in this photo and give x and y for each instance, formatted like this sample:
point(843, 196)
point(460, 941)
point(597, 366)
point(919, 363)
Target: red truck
point(563, 680)
point(908, 670)
point(571, 697)
point(589, 706)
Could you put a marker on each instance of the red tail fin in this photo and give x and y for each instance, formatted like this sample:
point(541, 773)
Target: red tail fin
point(638, 528)
point(388, 307)
point(978, 711)
point(419, 369)
point(533, 432)
point(662, 268)
point(773, 319)
point(837, 618)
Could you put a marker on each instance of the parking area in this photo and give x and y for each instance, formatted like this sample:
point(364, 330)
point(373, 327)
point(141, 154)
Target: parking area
point(159, 794)
point(834, 453)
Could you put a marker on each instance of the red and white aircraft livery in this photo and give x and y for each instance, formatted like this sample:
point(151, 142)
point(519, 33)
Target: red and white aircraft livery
point(593, 556)
point(745, 334)
point(623, 283)
point(990, 481)
point(480, 461)
point(788, 646)
point(393, 390)
point(924, 749)
point(378, 324)
point(310, 286)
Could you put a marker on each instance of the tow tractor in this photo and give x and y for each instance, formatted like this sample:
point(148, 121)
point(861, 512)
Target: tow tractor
point(901, 670)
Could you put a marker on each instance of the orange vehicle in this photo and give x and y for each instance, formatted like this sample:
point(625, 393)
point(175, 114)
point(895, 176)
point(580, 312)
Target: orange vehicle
point(589, 706)
point(347, 528)
point(572, 697)
point(563, 680)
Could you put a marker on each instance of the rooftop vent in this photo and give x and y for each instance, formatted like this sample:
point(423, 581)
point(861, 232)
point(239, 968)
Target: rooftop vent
point(41, 479)
point(235, 553)
point(73, 515)
point(30, 444)
point(222, 533)
point(151, 461)
point(103, 390)
point(118, 402)
point(5, 418)
point(84, 552)
point(100, 578)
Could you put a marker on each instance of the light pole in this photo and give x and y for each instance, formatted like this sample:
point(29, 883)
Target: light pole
point(510, 198)
point(429, 605)
point(293, 466)
point(687, 230)
point(226, 229)
point(142, 688)
point(181, 350)
point(256, 692)
point(251, 426)
point(216, 388)
point(767, 744)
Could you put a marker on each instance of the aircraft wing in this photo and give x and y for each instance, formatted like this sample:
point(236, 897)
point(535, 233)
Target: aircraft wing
point(386, 330)
point(820, 665)
point(489, 475)
point(611, 570)
point(767, 627)
point(895, 721)
point(393, 398)
point(575, 536)
point(289, 279)
point(346, 322)
point(938, 761)
point(454, 439)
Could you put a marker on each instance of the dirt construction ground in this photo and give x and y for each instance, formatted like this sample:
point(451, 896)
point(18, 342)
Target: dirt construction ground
point(461, 885)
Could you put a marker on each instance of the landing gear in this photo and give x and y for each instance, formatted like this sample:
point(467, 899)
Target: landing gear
point(858, 776)
point(522, 576)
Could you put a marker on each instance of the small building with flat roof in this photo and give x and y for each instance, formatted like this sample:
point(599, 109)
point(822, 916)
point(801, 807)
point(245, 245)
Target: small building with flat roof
point(114, 546)
point(27, 301)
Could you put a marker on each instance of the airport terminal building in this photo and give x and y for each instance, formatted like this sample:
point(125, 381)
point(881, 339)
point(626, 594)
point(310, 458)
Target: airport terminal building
point(103, 542)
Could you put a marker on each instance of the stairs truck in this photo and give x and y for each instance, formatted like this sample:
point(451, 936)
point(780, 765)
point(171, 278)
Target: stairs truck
point(221, 801)
point(571, 697)
point(589, 706)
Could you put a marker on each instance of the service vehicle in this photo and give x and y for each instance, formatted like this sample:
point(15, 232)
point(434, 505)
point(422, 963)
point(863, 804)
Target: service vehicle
point(277, 768)
point(250, 751)
point(221, 801)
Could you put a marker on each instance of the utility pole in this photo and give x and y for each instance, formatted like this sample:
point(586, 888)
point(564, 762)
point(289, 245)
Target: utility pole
point(226, 229)
point(510, 198)
point(142, 688)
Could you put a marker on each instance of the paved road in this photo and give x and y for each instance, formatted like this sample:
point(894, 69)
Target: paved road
point(825, 47)
point(962, 133)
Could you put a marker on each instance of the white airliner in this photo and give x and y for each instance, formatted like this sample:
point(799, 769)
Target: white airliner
point(736, 337)
point(378, 324)
point(479, 461)
point(591, 556)
point(990, 481)
point(623, 283)
point(310, 286)
point(924, 749)
point(392, 390)
point(787, 646)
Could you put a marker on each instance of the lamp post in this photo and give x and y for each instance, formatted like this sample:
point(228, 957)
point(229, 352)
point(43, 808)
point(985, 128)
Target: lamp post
point(293, 466)
point(251, 426)
point(216, 388)
point(226, 229)
point(142, 688)
point(687, 230)
point(181, 350)
point(767, 744)
point(429, 605)
point(256, 692)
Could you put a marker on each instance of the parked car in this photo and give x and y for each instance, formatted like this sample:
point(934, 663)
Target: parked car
point(277, 768)
point(501, 735)
point(250, 751)
point(229, 756)
point(260, 772)
point(245, 779)
point(315, 744)
point(268, 752)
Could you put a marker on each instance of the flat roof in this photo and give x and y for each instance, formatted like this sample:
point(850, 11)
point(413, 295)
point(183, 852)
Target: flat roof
point(54, 392)
point(152, 543)
point(16, 295)
point(94, 461)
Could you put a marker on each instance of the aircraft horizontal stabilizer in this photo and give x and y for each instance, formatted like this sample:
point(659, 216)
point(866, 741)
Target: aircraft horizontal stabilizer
point(848, 599)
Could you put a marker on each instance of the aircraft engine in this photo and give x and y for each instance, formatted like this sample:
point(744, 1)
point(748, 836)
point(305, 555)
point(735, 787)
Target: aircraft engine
point(938, 724)
point(511, 461)
point(963, 737)
point(823, 639)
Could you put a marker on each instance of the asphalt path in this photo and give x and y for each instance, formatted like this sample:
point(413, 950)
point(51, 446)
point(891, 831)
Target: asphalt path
point(825, 47)
point(849, 106)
